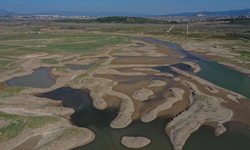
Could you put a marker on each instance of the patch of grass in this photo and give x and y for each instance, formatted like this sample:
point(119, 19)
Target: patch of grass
point(4, 62)
point(3, 46)
point(68, 59)
point(244, 53)
point(83, 75)
point(49, 61)
point(97, 65)
point(11, 91)
point(63, 69)
point(19, 52)
point(17, 124)
point(69, 132)
point(84, 47)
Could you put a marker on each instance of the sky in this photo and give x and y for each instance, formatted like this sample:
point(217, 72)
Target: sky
point(152, 7)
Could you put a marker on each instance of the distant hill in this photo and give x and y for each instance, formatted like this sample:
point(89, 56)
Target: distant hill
point(111, 14)
point(116, 19)
point(210, 13)
point(92, 14)
point(4, 12)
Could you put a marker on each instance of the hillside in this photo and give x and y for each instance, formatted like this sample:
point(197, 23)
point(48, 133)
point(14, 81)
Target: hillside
point(115, 19)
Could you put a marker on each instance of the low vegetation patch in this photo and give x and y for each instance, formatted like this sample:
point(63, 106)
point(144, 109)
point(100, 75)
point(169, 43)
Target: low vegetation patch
point(68, 59)
point(17, 124)
point(49, 61)
point(4, 62)
point(11, 91)
point(115, 19)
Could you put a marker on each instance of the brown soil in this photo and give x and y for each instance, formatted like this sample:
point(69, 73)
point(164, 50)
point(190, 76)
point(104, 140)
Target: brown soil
point(29, 144)
point(112, 101)
point(53, 76)
point(3, 85)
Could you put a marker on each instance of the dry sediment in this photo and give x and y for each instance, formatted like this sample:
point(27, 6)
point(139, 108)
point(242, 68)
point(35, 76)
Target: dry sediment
point(176, 79)
point(211, 89)
point(193, 65)
point(135, 142)
point(142, 94)
point(157, 83)
point(204, 82)
point(233, 98)
point(177, 94)
point(202, 108)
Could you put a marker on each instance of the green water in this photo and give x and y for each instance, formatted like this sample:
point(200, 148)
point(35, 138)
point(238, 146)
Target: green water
point(237, 137)
point(225, 77)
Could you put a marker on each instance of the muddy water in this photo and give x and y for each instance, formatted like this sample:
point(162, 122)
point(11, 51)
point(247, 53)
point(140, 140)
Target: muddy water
point(40, 78)
point(79, 67)
point(99, 120)
point(29, 144)
point(236, 138)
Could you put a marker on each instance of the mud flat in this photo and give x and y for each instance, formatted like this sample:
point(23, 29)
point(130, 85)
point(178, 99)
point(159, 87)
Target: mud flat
point(193, 65)
point(167, 104)
point(51, 136)
point(157, 83)
point(99, 90)
point(142, 94)
point(204, 82)
point(232, 98)
point(203, 108)
point(78, 137)
point(211, 89)
point(135, 142)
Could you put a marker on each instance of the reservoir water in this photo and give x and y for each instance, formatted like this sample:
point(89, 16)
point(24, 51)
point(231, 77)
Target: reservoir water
point(99, 120)
point(237, 137)
point(40, 78)
point(225, 77)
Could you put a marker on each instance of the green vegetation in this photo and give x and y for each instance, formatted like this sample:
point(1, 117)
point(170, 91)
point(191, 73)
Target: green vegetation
point(17, 124)
point(207, 105)
point(58, 43)
point(63, 69)
point(115, 19)
point(245, 21)
point(49, 61)
point(4, 62)
point(97, 65)
point(68, 59)
point(6, 47)
point(84, 47)
point(69, 132)
point(244, 53)
point(11, 91)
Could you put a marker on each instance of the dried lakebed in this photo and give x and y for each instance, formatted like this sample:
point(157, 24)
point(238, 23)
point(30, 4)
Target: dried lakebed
point(99, 121)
